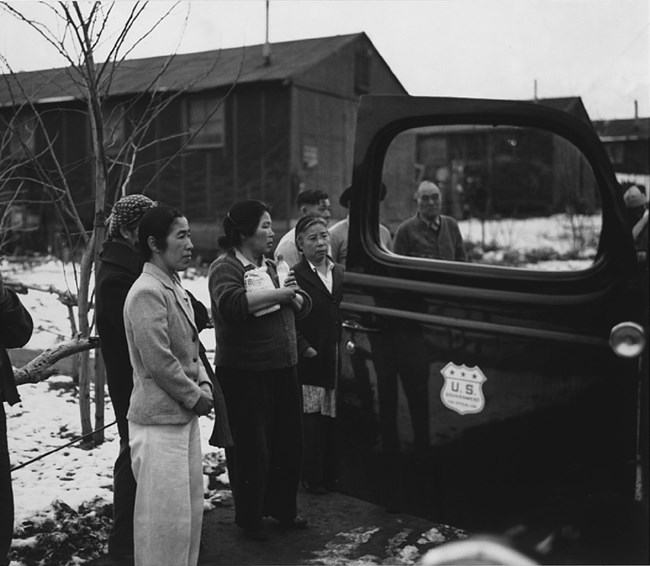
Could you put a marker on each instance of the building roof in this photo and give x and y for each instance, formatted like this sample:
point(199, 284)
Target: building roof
point(623, 129)
point(198, 71)
point(570, 104)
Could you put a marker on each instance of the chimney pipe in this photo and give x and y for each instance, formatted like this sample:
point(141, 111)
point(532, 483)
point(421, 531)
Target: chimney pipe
point(266, 50)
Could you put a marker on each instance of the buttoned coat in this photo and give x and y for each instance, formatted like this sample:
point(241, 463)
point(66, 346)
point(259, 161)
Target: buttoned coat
point(164, 349)
point(321, 328)
point(15, 330)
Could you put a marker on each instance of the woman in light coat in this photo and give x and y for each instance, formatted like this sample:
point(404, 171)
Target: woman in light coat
point(170, 390)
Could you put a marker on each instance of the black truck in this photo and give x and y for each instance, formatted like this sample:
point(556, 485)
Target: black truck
point(506, 393)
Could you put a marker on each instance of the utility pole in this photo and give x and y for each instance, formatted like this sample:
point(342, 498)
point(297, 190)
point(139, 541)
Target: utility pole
point(266, 51)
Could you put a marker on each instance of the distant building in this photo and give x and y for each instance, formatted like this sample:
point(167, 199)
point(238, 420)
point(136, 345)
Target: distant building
point(627, 142)
point(510, 172)
point(286, 122)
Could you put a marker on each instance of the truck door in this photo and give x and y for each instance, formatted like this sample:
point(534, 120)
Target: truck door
point(486, 387)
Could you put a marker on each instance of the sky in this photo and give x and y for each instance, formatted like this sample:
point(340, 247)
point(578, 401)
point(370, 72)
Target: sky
point(514, 49)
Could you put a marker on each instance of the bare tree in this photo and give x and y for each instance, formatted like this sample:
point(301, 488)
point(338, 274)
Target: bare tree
point(83, 29)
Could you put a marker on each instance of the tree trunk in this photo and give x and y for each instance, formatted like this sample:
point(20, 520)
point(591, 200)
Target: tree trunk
point(85, 269)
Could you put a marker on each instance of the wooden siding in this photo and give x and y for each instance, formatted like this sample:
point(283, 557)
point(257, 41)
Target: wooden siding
point(270, 127)
point(325, 104)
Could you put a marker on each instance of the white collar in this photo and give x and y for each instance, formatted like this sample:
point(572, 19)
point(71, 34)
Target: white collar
point(245, 261)
point(330, 266)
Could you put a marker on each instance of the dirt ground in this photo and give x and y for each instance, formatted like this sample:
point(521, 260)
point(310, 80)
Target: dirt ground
point(343, 530)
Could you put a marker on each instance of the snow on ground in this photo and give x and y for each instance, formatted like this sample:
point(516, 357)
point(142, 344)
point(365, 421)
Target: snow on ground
point(562, 232)
point(48, 415)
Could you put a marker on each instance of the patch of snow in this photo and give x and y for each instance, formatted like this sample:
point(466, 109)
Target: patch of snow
point(48, 415)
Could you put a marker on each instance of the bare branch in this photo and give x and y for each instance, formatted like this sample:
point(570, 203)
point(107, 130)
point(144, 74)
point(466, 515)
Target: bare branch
point(41, 29)
point(41, 367)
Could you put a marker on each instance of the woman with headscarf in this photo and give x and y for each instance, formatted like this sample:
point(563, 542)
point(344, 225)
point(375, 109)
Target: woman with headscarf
point(254, 320)
point(120, 264)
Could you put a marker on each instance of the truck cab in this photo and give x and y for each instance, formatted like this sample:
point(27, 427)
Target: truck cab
point(507, 387)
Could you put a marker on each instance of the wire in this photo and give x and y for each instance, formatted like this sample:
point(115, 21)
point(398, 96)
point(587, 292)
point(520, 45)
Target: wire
point(78, 439)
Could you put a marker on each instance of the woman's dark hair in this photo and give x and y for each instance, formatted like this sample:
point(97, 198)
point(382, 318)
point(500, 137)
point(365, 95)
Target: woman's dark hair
point(156, 223)
point(241, 221)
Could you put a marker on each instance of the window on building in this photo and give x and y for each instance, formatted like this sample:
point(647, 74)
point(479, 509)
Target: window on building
point(22, 135)
point(206, 121)
point(615, 152)
point(114, 129)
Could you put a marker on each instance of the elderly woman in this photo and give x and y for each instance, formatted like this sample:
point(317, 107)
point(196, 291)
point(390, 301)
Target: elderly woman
point(170, 390)
point(318, 336)
point(254, 320)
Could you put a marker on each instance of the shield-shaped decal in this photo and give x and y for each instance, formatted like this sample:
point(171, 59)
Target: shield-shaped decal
point(463, 388)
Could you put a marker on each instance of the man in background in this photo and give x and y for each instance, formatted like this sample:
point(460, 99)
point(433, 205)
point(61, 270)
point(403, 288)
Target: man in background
point(339, 231)
point(311, 202)
point(16, 328)
point(636, 206)
point(429, 234)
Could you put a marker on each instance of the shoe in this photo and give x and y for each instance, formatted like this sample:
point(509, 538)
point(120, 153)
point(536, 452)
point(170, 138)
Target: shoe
point(332, 486)
point(314, 488)
point(258, 534)
point(295, 524)
point(122, 558)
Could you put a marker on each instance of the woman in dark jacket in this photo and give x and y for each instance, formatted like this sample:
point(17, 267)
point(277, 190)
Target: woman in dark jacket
point(318, 367)
point(15, 330)
point(254, 321)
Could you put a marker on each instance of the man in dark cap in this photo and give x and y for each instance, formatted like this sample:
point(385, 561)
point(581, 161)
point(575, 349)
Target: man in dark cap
point(15, 330)
point(339, 231)
point(636, 206)
point(120, 264)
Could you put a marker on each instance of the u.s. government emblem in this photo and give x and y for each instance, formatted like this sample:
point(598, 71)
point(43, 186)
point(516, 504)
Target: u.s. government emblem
point(463, 388)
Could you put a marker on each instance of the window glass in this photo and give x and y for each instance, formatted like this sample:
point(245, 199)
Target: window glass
point(206, 121)
point(22, 135)
point(502, 196)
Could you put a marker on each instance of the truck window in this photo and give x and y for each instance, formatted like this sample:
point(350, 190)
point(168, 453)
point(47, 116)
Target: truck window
point(492, 195)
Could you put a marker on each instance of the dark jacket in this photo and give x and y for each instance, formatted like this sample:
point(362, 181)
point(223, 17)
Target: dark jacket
point(221, 434)
point(15, 331)
point(119, 266)
point(246, 342)
point(321, 328)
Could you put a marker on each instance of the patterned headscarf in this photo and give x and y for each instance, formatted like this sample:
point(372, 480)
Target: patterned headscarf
point(127, 211)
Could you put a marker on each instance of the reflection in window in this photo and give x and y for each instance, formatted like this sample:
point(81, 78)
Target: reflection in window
point(206, 122)
point(521, 197)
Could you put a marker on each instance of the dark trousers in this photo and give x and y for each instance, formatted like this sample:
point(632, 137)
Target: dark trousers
point(6, 492)
point(402, 352)
point(120, 539)
point(320, 451)
point(264, 411)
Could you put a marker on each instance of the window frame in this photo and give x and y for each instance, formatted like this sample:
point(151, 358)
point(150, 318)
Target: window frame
point(382, 118)
point(198, 140)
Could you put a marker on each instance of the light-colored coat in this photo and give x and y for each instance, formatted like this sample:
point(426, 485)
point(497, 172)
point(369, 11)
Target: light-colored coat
point(164, 350)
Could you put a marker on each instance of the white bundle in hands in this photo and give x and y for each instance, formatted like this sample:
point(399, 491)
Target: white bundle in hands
point(259, 279)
